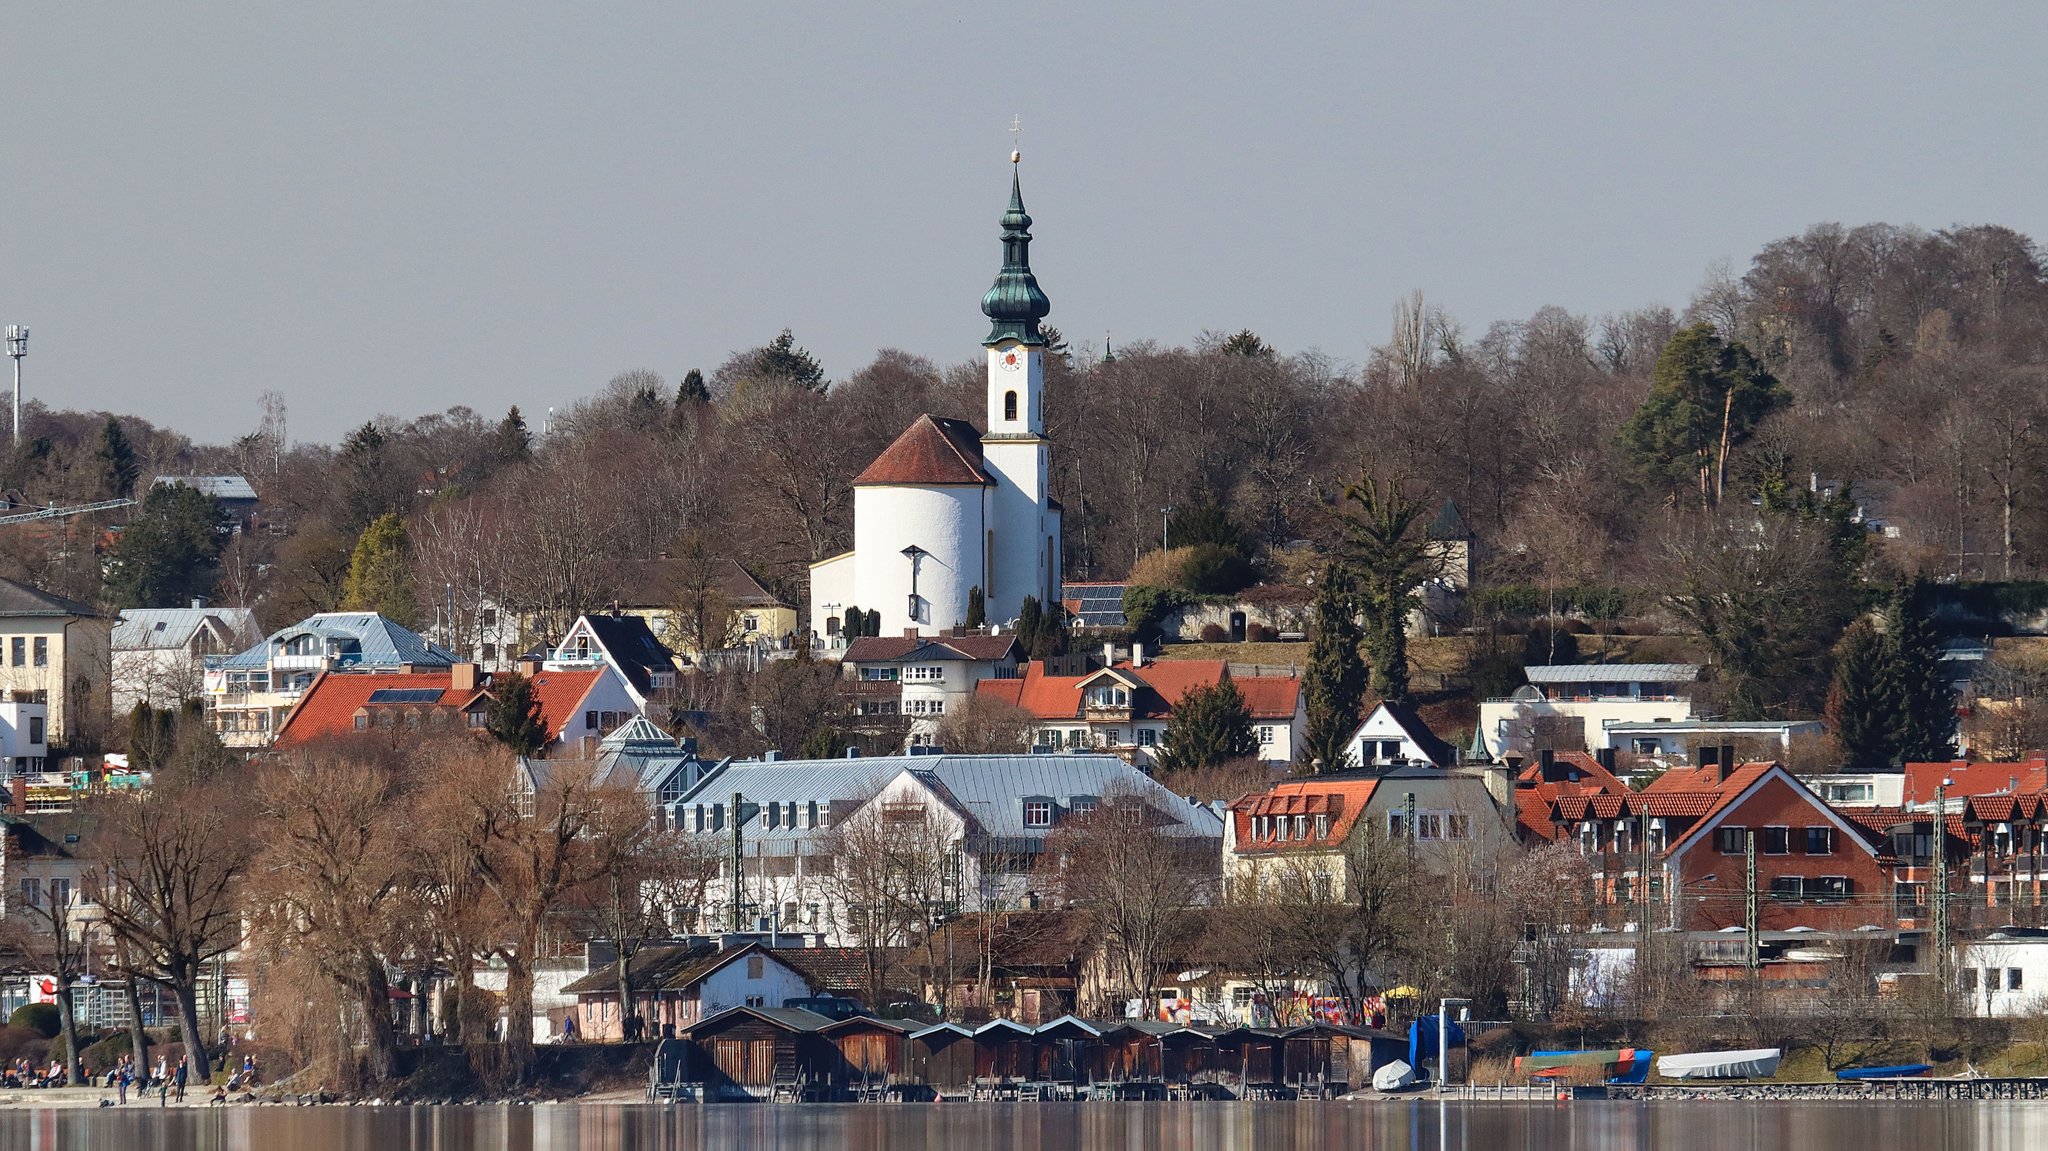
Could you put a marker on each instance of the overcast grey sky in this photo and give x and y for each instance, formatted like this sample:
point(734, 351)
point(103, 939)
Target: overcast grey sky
point(398, 207)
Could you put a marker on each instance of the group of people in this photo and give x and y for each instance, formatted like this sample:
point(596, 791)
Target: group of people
point(22, 1073)
point(169, 1080)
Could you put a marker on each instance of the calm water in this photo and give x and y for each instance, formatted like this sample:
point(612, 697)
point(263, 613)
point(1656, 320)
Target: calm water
point(1380, 1126)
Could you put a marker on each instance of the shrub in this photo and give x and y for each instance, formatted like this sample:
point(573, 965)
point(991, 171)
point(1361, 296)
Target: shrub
point(1260, 633)
point(1212, 569)
point(1145, 606)
point(42, 1018)
point(1214, 633)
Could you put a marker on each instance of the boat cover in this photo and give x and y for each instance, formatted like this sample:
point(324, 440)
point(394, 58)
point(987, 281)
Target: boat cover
point(1895, 1071)
point(1754, 1063)
point(1393, 1077)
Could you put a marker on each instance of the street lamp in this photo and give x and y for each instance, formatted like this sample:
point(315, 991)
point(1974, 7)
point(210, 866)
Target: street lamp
point(1443, 1040)
point(17, 347)
point(1165, 518)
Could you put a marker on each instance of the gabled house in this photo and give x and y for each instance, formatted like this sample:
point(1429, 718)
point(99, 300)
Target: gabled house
point(915, 680)
point(751, 616)
point(249, 693)
point(1395, 733)
point(1126, 706)
point(1310, 829)
point(678, 984)
point(159, 654)
point(56, 652)
point(625, 644)
point(577, 706)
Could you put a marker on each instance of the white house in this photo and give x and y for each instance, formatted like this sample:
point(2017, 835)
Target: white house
point(1127, 706)
point(944, 512)
point(1568, 706)
point(2004, 974)
point(1395, 733)
point(923, 679)
point(160, 653)
point(1670, 743)
point(623, 643)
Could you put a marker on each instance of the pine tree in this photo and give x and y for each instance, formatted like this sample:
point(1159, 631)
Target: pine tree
point(1029, 620)
point(1337, 676)
point(692, 390)
point(169, 552)
point(380, 572)
point(977, 607)
point(512, 442)
point(118, 467)
point(783, 360)
point(1925, 705)
point(514, 718)
point(1209, 726)
point(1861, 708)
point(1707, 396)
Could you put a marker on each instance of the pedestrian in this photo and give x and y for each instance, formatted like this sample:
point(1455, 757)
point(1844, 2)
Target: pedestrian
point(123, 1076)
point(163, 1069)
point(179, 1076)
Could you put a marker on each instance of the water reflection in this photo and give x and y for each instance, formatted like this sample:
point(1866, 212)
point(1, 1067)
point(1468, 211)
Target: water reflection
point(1405, 1125)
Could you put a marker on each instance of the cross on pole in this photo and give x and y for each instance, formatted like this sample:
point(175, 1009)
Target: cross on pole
point(1016, 138)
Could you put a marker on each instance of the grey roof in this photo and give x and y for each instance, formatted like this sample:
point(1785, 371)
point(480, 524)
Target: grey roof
point(21, 599)
point(988, 789)
point(1710, 725)
point(367, 640)
point(172, 628)
point(636, 731)
point(219, 487)
point(1613, 673)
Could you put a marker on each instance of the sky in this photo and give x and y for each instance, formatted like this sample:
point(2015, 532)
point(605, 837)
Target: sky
point(394, 208)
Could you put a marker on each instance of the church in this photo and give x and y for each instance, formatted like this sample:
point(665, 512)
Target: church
point(944, 512)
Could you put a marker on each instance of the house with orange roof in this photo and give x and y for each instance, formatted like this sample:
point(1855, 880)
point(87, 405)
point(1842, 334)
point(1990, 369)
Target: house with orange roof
point(1313, 829)
point(579, 707)
point(1126, 706)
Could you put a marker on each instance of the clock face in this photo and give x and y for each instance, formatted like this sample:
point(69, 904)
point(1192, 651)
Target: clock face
point(1011, 359)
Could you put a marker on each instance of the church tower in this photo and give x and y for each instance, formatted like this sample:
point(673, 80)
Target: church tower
point(1023, 537)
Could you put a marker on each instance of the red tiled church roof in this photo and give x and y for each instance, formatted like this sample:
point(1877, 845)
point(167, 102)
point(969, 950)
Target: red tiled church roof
point(930, 451)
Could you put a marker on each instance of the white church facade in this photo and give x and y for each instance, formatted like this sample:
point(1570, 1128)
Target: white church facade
point(944, 511)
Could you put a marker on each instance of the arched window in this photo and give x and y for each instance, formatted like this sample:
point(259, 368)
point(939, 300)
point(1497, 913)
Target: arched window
point(1010, 405)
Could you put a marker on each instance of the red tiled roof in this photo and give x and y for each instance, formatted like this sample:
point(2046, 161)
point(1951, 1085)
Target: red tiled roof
point(1161, 685)
point(1343, 801)
point(329, 707)
point(1967, 778)
point(930, 451)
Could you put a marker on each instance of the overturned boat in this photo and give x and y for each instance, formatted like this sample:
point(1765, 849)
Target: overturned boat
point(1395, 1076)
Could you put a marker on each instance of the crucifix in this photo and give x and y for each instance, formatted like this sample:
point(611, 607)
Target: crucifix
point(1016, 138)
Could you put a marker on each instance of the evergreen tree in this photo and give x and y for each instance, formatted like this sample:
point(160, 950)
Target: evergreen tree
point(514, 717)
point(1386, 546)
point(1209, 726)
point(1707, 396)
point(1248, 344)
point(1925, 706)
point(118, 467)
point(1337, 676)
point(1861, 708)
point(380, 572)
point(977, 607)
point(783, 360)
point(692, 391)
point(169, 553)
point(512, 442)
point(1029, 619)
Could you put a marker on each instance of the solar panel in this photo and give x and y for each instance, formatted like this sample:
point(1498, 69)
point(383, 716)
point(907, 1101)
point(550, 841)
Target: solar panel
point(406, 695)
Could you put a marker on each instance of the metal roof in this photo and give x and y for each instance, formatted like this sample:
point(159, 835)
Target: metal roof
point(1613, 673)
point(377, 643)
point(172, 628)
point(1705, 726)
point(219, 487)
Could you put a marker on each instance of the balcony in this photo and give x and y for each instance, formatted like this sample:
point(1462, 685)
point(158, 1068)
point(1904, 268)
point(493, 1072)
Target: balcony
point(1107, 713)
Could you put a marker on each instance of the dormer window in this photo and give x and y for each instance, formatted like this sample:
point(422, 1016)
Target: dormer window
point(1038, 813)
point(1110, 695)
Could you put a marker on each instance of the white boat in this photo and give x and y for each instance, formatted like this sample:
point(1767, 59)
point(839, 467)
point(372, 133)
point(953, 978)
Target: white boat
point(1395, 1076)
point(1755, 1063)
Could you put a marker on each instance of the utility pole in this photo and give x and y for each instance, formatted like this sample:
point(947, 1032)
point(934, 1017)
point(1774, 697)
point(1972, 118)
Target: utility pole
point(1643, 897)
point(1749, 908)
point(1940, 885)
point(17, 347)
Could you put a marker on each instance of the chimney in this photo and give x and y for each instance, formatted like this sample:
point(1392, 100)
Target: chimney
point(1137, 654)
point(1546, 758)
point(17, 793)
point(771, 756)
point(1727, 759)
point(852, 752)
point(1604, 757)
point(1108, 655)
point(910, 633)
point(1706, 755)
point(529, 667)
point(462, 677)
point(198, 602)
point(1514, 766)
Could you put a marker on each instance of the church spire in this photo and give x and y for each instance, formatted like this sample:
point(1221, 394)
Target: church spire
point(1014, 303)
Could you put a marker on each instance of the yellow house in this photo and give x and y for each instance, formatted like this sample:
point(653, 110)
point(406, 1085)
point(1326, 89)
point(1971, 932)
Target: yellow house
point(58, 652)
point(673, 595)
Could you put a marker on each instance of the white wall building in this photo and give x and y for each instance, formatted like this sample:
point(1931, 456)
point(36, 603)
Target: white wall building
point(943, 511)
point(922, 680)
point(1568, 706)
point(2005, 974)
point(160, 653)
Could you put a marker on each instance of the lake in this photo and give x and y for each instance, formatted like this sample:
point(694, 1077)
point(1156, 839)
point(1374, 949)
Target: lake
point(1420, 1125)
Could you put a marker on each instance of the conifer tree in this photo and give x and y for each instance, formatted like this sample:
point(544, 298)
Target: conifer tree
point(692, 390)
point(1209, 726)
point(118, 467)
point(977, 607)
point(1925, 706)
point(514, 717)
point(1337, 676)
point(1860, 708)
point(380, 572)
point(512, 442)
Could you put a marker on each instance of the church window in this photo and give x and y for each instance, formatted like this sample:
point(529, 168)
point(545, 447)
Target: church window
point(1010, 405)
